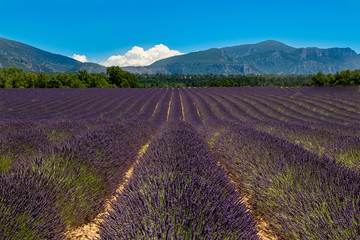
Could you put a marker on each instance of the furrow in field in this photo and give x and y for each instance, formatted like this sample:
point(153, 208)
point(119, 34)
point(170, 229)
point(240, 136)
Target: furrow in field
point(190, 110)
point(175, 113)
point(285, 184)
point(217, 107)
point(291, 109)
point(91, 230)
point(178, 191)
point(232, 107)
point(160, 114)
point(338, 108)
point(137, 105)
point(203, 108)
point(274, 109)
point(250, 108)
point(169, 108)
point(123, 106)
point(262, 226)
point(292, 103)
point(182, 108)
point(324, 108)
point(150, 107)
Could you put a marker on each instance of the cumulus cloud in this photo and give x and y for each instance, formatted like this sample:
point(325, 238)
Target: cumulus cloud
point(137, 56)
point(80, 58)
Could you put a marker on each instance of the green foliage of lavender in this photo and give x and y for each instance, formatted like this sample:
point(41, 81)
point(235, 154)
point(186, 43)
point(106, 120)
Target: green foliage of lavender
point(300, 171)
point(342, 146)
point(178, 192)
point(58, 183)
point(301, 195)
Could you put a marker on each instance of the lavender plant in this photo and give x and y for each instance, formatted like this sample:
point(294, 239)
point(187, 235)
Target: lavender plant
point(178, 191)
point(302, 195)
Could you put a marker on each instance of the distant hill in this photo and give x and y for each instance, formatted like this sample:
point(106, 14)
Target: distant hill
point(31, 59)
point(90, 67)
point(269, 57)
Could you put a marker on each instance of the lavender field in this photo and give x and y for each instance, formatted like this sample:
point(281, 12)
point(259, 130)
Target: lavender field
point(189, 163)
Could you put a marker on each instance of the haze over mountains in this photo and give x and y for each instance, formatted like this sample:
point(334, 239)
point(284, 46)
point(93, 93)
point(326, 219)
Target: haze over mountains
point(269, 57)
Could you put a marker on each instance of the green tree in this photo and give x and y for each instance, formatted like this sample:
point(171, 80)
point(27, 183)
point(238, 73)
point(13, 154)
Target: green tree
point(30, 79)
point(84, 77)
point(317, 80)
point(120, 78)
point(76, 83)
point(99, 81)
point(54, 83)
point(115, 75)
point(3, 80)
point(125, 84)
point(64, 78)
point(42, 80)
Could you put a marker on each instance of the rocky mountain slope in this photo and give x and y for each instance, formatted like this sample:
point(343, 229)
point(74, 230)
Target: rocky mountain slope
point(269, 57)
point(28, 58)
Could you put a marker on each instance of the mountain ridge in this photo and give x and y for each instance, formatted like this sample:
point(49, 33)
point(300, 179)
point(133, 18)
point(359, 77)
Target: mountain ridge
point(32, 59)
point(268, 57)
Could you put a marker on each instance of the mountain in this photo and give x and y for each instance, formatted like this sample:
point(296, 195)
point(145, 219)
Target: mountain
point(269, 57)
point(31, 59)
point(90, 67)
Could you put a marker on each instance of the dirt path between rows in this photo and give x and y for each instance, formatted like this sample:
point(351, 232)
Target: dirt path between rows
point(157, 105)
point(90, 230)
point(168, 112)
point(155, 109)
point(262, 226)
point(182, 108)
point(198, 112)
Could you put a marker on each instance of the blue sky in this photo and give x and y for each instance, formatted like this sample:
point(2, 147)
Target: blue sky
point(100, 29)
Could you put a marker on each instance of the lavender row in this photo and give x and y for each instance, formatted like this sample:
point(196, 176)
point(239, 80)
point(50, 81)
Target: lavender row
point(337, 105)
point(64, 174)
point(161, 111)
point(296, 99)
point(217, 106)
point(335, 144)
point(149, 108)
point(205, 111)
point(191, 114)
point(231, 106)
point(250, 110)
point(175, 111)
point(301, 195)
point(177, 191)
point(64, 103)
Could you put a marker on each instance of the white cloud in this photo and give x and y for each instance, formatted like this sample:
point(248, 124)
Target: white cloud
point(80, 58)
point(137, 56)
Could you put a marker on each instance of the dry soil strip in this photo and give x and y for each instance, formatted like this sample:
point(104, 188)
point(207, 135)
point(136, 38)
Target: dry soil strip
point(156, 107)
point(182, 107)
point(262, 226)
point(198, 112)
point(168, 113)
point(90, 230)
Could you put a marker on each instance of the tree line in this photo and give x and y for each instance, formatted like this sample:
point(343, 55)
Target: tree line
point(343, 78)
point(115, 77)
point(160, 80)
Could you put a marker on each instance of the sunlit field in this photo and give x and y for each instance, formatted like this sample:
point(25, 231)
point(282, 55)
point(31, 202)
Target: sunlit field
point(188, 163)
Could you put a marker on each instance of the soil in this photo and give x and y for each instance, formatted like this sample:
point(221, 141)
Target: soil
point(91, 230)
point(262, 226)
